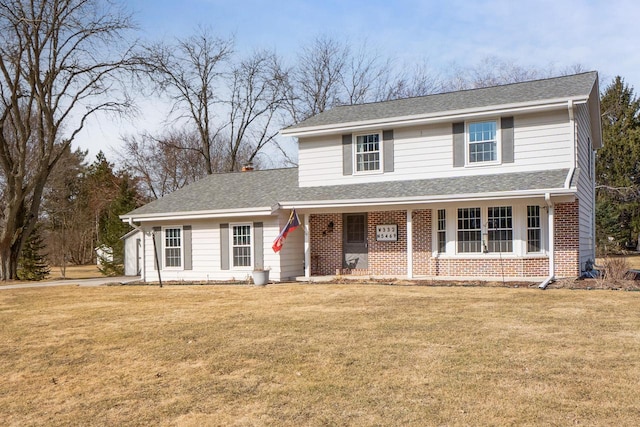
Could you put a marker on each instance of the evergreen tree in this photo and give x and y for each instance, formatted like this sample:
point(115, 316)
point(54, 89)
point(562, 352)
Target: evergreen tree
point(618, 169)
point(33, 264)
point(111, 227)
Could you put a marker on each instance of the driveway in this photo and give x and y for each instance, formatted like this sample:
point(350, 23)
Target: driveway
point(99, 281)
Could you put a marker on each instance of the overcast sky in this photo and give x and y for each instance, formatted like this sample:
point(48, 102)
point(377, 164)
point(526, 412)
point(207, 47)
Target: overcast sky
point(599, 35)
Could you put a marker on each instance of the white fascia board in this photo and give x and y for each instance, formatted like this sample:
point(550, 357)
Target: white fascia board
point(470, 113)
point(540, 192)
point(176, 216)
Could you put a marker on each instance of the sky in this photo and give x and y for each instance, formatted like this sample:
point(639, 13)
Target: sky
point(598, 35)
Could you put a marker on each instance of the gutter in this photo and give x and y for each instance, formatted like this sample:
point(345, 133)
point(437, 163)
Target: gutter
point(411, 200)
point(440, 116)
point(552, 266)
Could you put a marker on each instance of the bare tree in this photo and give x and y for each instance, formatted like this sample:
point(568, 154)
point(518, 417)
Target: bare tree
point(167, 162)
point(189, 71)
point(416, 80)
point(317, 78)
point(70, 231)
point(59, 64)
point(258, 92)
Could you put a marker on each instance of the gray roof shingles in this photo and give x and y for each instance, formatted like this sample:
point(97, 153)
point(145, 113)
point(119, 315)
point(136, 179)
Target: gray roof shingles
point(266, 188)
point(577, 85)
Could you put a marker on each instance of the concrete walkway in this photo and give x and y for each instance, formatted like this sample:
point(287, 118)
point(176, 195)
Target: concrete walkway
point(99, 281)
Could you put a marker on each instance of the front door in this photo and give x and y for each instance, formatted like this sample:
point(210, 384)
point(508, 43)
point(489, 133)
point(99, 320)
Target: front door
point(354, 241)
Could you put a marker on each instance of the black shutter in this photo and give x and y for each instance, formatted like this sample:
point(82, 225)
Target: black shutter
point(387, 142)
point(458, 144)
point(506, 128)
point(347, 155)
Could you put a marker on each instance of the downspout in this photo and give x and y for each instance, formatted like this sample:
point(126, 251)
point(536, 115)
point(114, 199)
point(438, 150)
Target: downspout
point(138, 228)
point(409, 244)
point(574, 143)
point(552, 267)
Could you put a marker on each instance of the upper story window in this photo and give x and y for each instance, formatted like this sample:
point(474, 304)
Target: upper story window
point(173, 247)
point(241, 245)
point(368, 153)
point(482, 142)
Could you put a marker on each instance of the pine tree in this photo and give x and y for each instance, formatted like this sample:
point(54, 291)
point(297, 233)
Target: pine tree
point(618, 169)
point(33, 263)
point(111, 227)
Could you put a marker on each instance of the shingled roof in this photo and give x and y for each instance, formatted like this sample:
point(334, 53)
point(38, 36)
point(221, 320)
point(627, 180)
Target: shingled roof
point(267, 188)
point(566, 87)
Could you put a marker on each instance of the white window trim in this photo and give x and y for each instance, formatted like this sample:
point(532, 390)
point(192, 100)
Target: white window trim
point(164, 247)
point(525, 237)
point(519, 223)
point(354, 151)
point(482, 230)
point(251, 246)
point(498, 160)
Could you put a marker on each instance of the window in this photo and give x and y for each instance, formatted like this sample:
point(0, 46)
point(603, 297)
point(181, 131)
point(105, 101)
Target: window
point(469, 230)
point(173, 247)
point(483, 144)
point(241, 244)
point(500, 229)
point(355, 228)
point(368, 153)
point(534, 231)
point(442, 231)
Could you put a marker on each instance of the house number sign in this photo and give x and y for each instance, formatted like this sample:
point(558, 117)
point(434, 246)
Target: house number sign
point(387, 233)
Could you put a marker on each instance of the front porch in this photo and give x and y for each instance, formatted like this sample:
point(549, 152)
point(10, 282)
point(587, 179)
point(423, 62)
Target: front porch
point(425, 248)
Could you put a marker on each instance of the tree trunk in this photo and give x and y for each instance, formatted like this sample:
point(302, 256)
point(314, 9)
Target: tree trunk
point(9, 255)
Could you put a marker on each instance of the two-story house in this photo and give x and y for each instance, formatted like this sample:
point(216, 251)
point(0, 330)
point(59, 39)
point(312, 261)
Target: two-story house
point(481, 183)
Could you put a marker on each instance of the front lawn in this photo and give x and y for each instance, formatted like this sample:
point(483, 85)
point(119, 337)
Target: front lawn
point(318, 355)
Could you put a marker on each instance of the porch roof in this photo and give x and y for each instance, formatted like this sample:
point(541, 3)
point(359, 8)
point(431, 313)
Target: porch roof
point(263, 192)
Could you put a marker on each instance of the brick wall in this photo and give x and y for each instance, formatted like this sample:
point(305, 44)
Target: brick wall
point(492, 267)
point(567, 239)
point(422, 261)
point(326, 244)
point(388, 258)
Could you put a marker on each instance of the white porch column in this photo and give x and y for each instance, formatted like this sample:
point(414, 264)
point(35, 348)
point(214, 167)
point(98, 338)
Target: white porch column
point(409, 243)
point(552, 243)
point(307, 248)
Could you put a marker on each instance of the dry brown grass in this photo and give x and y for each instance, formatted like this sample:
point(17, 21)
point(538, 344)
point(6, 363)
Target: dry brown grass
point(75, 272)
point(318, 355)
point(633, 260)
point(72, 272)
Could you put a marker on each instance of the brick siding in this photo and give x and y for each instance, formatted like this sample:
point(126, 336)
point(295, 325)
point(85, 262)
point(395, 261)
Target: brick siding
point(389, 258)
point(567, 239)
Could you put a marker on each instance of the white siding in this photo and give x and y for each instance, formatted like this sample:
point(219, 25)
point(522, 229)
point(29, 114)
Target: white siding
point(206, 253)
point(585, 184)
point(292, 253)
point(131, 253)
point(541, 141)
